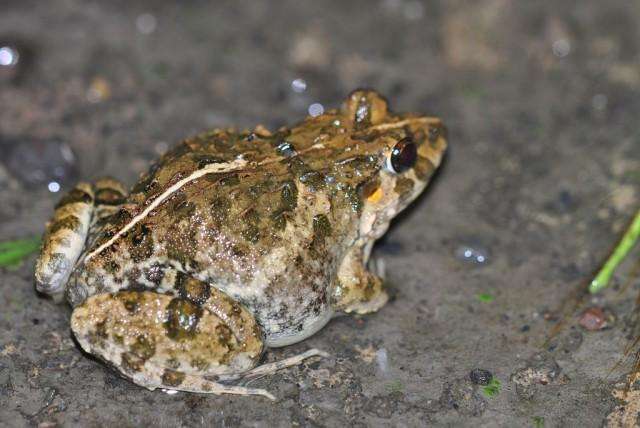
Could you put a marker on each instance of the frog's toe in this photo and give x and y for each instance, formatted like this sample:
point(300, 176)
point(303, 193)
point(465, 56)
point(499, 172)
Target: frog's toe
point(159, 341)
point(363, 296)
point(271, 368)
point(369, 304)
point(64, 239)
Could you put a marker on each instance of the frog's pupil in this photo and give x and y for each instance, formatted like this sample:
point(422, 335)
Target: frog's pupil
point(403, 155)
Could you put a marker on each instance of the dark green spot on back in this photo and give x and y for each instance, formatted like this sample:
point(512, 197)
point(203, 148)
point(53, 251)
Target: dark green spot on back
point(289, 195)
point(130, 301)
point(141, 243)
point(321, 228)
point(172, 377)
point(144, 347)
point(182, 319)
point(192, 289)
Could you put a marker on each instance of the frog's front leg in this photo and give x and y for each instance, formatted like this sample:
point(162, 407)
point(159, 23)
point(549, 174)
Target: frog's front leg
point(358, 290)
point(67, 232)
point(181, 343)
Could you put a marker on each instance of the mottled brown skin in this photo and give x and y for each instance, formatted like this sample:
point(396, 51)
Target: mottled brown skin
point(252, 239)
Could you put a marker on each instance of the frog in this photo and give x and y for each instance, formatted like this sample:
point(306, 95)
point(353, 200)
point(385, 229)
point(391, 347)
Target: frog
point(235, 242)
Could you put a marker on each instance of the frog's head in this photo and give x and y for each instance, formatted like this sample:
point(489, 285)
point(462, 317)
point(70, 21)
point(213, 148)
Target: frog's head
point(405, 149)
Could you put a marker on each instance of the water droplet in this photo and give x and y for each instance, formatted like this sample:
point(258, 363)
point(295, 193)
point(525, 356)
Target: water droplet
point(299, 85)
point(599, 102)
point(146, 23)
point(476, 255)
point(561, 48)
point(13, 57)
point(53, 186)
point(8, 56)
point(316, 109)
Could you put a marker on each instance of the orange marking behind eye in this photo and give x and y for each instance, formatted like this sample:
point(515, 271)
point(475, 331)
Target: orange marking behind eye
point(375, 196)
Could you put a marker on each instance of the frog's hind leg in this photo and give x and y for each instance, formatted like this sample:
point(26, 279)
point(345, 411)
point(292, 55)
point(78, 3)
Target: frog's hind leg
point(67, 232)
point(176, 343)
point(271, 368)
point(188, 343)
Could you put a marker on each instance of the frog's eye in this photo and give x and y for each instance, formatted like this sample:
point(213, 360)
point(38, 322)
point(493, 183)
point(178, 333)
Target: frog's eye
point(403, 156)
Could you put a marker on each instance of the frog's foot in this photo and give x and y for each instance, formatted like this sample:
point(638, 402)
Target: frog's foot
point(360, 291)
point(177, 343)
point(66, 234)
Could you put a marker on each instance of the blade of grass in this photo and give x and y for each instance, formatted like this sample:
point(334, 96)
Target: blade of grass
point(12, 252)
point(601, 281)
point(492, 389)
point(18, 243)
point(485, 297)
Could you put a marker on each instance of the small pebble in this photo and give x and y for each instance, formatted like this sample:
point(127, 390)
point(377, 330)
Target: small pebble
point(480, 376)
point(99, 90)
point(315, 109)
point(547, 315)
point(595, 318)
point(299, 85)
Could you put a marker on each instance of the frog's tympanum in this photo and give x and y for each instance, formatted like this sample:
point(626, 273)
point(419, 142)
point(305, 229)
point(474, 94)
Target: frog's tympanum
point(236, 241)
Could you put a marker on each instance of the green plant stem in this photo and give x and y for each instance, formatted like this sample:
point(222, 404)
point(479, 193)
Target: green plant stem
point(601, 281)
point(12, 252)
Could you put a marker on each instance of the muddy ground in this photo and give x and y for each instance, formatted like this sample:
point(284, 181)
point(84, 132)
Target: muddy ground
point(541, 101)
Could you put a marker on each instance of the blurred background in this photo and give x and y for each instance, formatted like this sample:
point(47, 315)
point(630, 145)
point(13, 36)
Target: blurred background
point(543, 173)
